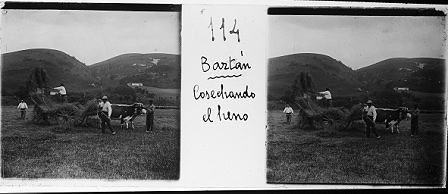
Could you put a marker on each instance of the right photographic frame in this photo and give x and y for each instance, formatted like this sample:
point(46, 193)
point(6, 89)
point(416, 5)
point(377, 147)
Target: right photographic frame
point(356, 96)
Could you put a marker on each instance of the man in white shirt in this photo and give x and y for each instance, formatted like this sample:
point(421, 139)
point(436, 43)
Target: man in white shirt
point(327, 96)
point(62, 92)
point(288, 111)
point(22, 107)
point(104, 114)
point(370, 117)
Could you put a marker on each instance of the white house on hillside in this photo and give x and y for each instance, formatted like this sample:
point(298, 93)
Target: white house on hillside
point(135, 84)
point(401, 89)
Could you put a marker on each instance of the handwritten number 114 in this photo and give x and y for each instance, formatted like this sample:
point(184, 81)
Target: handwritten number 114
point(233, 31)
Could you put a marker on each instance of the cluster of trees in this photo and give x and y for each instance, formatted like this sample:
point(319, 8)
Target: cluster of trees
point(37, 82)
point(120, 94)
point(303, 85)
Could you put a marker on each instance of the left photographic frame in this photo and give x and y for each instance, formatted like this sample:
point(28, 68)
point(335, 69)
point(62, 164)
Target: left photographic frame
point(101, 84)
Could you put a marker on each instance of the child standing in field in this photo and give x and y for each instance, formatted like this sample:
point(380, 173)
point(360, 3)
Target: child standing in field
point(288, 111)
point(22, 107)
point(414, 120)
point(150, 117)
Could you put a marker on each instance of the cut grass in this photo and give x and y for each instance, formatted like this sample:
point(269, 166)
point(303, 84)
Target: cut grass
point(32, 151)
point(300, 156)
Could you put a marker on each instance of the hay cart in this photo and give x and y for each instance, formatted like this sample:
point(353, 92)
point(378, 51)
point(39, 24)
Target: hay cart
point(313, 116)
point(48, 112)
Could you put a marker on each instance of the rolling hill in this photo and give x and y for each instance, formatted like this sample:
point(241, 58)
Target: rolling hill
point(61, 68)
point(156, 69)
point(419, 74)
point(325, 71)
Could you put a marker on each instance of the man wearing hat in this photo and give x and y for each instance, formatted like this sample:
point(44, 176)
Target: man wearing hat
point(327, 95)
point(370, 119)
point(62, 92)
point(414, 120)
point(104, 114)
point(150, 116)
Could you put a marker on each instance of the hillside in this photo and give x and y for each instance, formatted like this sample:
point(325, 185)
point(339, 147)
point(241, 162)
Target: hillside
point(419, 74)
point(61, 68)
point(156, 69)
point(326, 72)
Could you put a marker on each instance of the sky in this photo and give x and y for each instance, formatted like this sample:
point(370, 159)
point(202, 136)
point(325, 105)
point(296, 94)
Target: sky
point(357, 41)
point(91, 36)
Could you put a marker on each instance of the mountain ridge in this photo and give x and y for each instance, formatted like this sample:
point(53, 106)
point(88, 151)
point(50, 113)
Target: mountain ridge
point(424, 74)
point(61, 68)
point(152, 69)
point(326, 71)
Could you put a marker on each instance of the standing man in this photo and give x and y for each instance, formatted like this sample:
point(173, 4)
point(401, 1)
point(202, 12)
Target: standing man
point(22, 107)
point(104, 114)
point(62, 92)
point(370, 119)
point(414, 120)
point(327, 96)
point(288, 111)
point(150, 116)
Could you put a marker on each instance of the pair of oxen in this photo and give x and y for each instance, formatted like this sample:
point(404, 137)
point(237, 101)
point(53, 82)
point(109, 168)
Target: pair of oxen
point(388, 116)
point(123, 112)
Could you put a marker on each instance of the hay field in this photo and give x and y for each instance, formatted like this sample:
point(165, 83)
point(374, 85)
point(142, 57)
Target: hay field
point(34, 151)
point(299, 156)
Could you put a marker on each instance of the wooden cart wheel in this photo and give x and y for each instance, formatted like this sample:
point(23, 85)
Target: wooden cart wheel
point(67, 118)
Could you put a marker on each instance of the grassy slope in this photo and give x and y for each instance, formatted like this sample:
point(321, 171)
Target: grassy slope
point(325, 71)
point(405, 72)
point(161, 92)
point(123, 66)
point(30, 151)
point(61, 68)
point(298, 156)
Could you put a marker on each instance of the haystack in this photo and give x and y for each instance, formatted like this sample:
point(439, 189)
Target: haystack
point(48, 112)
point(314, 117)
point(45, 111)
point(355, 117)
point(91, 108)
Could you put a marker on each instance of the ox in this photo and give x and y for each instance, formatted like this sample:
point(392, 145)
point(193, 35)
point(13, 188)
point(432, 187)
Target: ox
point(391, 117)
point(127, 113)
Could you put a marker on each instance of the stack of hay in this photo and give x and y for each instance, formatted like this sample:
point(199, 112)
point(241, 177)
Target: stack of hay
point(48, 112)
point(91, 108)
point(312, 116)
point(44, 111)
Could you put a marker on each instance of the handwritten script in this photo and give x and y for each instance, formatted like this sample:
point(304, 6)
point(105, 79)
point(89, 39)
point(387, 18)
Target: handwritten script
point(227, 67)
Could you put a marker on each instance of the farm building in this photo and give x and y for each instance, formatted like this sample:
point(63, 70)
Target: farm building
point(401, 89)
point(135, 84)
